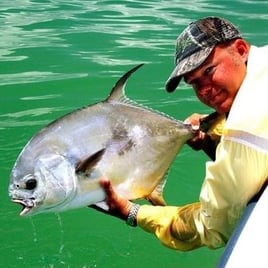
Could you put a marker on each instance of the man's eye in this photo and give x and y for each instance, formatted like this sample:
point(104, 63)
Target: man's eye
point(209, 70)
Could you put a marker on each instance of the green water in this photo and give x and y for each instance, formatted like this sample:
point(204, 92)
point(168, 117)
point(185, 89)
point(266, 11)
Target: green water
point(58, 55)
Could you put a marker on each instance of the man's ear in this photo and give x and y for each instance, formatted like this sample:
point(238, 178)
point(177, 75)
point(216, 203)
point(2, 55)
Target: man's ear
point(242, 48)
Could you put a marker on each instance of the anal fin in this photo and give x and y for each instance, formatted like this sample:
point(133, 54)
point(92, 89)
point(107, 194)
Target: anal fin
point(156, 196)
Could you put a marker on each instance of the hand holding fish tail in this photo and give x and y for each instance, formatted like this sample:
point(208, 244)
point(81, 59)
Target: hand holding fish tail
point(206, 132)
point(197, 142)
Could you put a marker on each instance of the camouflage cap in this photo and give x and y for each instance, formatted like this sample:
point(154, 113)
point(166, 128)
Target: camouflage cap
point(196, 42)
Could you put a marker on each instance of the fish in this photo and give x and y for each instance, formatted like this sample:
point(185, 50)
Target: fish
point(119, 139)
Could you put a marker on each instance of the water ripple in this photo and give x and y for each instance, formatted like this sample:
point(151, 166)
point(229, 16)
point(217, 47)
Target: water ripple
point(43, 97)
point(36, 76)
point(36, 24)
point(32, 112)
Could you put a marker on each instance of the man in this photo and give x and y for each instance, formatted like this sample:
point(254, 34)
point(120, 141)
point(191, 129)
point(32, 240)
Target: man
point(230, 76)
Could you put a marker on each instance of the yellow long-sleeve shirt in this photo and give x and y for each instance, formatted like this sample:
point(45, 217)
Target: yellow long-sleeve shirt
point(237, 174)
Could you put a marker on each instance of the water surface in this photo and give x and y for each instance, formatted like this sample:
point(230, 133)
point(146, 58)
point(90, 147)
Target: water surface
point(59, 55)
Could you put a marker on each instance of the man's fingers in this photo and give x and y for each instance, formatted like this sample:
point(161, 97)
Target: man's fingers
point(107, 186)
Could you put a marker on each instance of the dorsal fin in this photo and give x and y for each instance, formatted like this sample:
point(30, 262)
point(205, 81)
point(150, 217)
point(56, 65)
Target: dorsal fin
point(117, 93)
point(87, 164)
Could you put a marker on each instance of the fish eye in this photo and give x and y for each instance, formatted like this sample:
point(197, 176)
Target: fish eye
point(31, 184)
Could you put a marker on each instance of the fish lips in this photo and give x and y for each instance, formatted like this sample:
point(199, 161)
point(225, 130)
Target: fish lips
point(27, 205)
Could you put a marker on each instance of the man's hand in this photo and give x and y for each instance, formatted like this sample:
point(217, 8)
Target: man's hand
point(202, 140)
point(118, 206)
point(197, 142)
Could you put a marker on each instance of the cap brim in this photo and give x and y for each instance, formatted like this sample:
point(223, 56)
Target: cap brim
point(185, 66)
point(173, 82)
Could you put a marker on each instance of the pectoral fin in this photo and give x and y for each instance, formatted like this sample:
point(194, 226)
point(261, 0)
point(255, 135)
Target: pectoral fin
point(156, 197)
point(88, 164)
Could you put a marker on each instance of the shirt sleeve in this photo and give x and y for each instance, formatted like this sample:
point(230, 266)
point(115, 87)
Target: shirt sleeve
point(173, 226)
point(230, 182)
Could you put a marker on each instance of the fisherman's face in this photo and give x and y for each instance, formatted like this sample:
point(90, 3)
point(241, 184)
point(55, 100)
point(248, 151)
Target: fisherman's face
point(217, 81)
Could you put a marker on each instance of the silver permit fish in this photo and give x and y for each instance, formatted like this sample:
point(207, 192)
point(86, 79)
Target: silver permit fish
point(133, 146)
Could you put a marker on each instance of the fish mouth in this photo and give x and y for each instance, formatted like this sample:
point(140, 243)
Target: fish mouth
point(27, 205)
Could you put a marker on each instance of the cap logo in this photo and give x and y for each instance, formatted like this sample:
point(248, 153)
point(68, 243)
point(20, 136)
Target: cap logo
point(183, 44)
